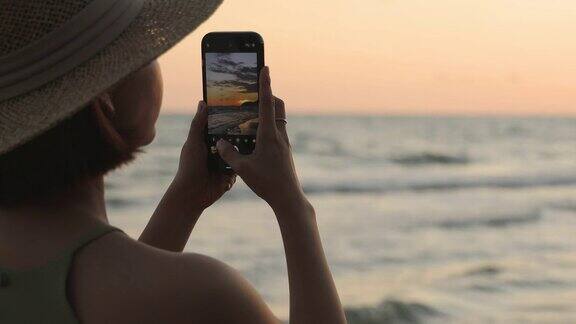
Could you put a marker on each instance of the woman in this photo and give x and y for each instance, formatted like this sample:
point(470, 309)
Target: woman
point(76, 103)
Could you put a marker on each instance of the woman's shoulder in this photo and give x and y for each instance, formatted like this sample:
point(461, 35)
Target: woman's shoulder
point(118, 279)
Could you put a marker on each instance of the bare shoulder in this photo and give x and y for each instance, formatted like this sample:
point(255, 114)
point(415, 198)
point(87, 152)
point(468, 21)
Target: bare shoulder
point(120, 280)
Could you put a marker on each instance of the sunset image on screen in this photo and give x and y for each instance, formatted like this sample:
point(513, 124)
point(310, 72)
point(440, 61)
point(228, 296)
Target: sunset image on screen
point(231, 78)
point(232, 93)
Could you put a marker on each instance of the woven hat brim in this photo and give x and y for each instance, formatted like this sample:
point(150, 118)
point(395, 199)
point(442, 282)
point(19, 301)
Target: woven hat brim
point(158, 27)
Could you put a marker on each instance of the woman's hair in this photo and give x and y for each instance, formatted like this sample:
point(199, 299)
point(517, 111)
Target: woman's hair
point(76, 149)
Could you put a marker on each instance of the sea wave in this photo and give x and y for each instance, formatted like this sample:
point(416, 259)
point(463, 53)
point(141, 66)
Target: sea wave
point(426, 158)
point(494, 221)
point(486, 270)
point(392, 311)
point(383, 185)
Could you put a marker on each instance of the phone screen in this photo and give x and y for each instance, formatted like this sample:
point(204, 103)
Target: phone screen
point(232, 95)
point(231, 62)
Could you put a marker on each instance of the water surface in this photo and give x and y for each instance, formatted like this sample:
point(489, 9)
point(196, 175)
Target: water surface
point(423, 219)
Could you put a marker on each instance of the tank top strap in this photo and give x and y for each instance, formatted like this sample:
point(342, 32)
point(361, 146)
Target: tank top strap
point(94, 233)
point(40, 294)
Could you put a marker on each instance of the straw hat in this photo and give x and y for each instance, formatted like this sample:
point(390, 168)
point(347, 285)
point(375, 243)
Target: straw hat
point(57, 55)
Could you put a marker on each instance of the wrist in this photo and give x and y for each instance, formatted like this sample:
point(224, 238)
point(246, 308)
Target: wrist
point(293, 207)
point(182, 193)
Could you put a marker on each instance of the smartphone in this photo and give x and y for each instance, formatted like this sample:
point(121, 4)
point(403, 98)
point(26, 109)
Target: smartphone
point(231, 64)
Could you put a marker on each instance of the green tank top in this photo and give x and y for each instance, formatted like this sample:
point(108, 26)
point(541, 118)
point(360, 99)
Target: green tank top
point(38, 295)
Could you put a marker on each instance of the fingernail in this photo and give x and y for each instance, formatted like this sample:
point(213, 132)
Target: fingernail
point(265, 74)
point(201, 105)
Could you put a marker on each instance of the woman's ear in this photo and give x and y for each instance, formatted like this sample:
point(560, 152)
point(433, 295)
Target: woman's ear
point(136, 102)
point(103, 111)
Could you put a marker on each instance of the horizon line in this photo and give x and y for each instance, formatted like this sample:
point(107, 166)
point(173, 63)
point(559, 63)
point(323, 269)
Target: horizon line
point(408, 114)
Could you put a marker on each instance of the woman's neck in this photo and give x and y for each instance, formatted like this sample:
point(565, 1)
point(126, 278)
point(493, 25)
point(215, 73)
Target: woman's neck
point(53, 222)
point(83, 200)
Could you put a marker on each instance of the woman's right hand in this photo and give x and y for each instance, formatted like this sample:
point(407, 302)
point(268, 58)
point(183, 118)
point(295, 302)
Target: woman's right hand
point(269, 171)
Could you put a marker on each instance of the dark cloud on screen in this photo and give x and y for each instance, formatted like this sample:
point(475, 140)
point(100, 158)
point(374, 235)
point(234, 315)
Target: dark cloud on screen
point(242, 76)
point(246, 87)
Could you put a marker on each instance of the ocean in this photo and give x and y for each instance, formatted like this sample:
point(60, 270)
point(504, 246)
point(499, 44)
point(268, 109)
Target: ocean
point(423, 219)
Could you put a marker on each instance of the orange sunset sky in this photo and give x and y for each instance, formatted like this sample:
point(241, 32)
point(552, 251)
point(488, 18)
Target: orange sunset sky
point(506, 57)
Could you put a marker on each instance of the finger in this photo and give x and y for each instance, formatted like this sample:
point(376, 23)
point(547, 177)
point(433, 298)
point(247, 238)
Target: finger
point(233, 178)
point(280, 109)
point(228, 177)
point(196, 132)
point(266, 104)
point(228, 181)
point(230, 154)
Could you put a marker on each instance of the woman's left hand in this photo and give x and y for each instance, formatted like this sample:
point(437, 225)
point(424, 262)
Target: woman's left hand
point(193, 189)
point(202, 186)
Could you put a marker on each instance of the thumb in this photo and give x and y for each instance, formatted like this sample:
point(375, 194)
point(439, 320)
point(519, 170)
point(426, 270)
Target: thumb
point(196, 132)
point(230, 154)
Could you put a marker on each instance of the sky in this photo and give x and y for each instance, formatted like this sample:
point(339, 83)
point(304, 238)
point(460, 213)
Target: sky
point(465, 57)
point(231, 78)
